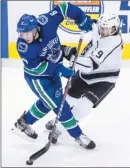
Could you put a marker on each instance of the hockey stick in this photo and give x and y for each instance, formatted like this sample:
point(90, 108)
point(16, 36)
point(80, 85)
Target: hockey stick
point(47, 146)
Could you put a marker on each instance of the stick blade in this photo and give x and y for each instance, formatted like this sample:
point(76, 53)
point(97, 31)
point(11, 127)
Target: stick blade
point(40, 152)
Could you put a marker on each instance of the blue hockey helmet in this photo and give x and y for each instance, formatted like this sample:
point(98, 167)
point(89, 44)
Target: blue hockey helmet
point(27, 23)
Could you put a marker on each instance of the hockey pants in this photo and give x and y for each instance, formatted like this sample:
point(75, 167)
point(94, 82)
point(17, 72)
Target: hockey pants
point(50, 95)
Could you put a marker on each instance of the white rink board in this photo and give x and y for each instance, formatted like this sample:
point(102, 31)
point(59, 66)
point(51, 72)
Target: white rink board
point(39, 7)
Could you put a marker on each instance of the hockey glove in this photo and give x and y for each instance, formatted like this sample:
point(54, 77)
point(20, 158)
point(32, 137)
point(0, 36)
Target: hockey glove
point(65, 72)
point(94, 20)
point(85, 23)
point(68, 51)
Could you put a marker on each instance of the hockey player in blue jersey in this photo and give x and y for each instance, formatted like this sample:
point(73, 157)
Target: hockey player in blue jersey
point(40, 49)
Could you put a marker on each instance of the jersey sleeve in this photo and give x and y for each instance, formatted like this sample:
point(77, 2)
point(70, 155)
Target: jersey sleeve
point(71, 11)
point(64, 10)
point(83, 64)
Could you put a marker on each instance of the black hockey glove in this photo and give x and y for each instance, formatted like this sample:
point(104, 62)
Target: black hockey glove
point(68, 51)
point(94, 20)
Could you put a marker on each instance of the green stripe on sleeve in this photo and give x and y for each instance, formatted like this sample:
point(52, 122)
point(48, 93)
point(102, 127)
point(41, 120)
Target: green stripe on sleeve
point(63, 8)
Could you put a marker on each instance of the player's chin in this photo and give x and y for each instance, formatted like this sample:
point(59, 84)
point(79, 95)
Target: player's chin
point(29, 41)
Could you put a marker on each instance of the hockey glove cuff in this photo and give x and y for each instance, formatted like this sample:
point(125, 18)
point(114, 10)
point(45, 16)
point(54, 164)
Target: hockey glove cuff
point(85, 23)
point(68, 51)
point(65, 72)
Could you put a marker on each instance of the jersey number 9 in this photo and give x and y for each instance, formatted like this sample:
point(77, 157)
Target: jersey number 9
point(99, 54)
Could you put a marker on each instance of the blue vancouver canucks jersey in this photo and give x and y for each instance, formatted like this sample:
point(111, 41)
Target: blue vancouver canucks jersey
point(44, 54)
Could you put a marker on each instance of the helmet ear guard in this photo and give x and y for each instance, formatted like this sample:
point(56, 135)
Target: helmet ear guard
point(113, 30)
point(27, 23)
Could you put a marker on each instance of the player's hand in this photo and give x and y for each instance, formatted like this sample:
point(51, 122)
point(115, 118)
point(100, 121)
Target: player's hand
point(94, 20)
point(68, 51)
point(71, 61)
point(65, 72)
point(85, 23)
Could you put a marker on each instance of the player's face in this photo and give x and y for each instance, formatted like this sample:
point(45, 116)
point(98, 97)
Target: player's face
point(28, 36)
point(104, 32)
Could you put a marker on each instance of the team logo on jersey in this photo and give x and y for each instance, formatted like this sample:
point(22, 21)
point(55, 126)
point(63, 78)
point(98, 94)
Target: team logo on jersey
point(92, 8)
point(57, 94)
point(22, 47)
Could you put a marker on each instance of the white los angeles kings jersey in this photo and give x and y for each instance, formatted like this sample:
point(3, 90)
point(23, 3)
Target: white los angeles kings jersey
point(101, 59)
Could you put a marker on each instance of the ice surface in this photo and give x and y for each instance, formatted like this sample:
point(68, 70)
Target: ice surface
point(108, 126)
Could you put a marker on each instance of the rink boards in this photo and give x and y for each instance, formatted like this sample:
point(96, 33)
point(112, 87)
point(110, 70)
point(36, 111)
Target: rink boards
point(14, 54)
point(68, 31)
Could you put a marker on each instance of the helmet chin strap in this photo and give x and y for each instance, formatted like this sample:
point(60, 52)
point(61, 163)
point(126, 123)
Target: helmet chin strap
point(34, 37)
point(112, 32)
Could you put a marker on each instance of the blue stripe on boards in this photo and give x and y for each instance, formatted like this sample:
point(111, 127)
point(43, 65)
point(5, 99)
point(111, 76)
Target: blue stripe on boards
point(4, 29)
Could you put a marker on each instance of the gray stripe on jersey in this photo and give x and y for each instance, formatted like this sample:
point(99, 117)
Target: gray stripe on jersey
point(111, 79)
point(99, 76)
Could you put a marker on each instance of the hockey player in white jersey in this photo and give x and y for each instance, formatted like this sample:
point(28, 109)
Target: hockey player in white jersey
point(98, 67)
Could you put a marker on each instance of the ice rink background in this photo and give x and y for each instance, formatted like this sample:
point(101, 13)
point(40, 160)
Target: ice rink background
point(108, 126)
